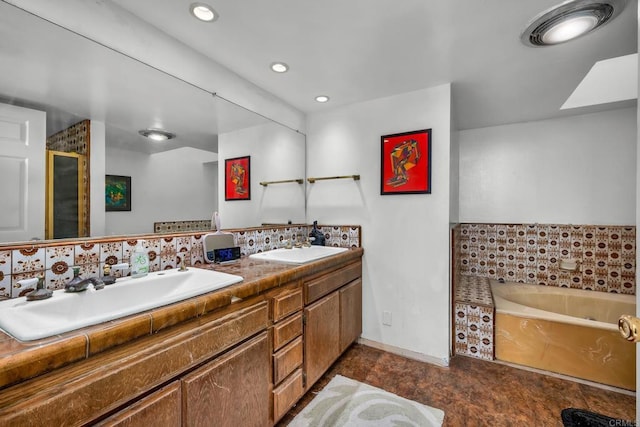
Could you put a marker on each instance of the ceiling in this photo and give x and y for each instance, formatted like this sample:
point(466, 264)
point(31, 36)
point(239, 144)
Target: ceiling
point(72, 78)
point(359, 50)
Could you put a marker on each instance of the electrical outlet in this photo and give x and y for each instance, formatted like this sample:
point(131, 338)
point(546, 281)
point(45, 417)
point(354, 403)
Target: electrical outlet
point(386, 318)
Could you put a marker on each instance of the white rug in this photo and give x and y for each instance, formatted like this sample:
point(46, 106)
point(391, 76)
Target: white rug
point(346, 402)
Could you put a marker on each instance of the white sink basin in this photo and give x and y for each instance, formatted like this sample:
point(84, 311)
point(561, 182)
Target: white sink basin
point(63, 312)
point(298, 255)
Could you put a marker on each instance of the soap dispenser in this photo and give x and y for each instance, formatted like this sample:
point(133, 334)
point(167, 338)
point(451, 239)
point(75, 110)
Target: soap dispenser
point(139, 261)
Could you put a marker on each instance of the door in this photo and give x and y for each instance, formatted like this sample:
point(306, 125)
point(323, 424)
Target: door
point(350, 313)
point(22, 160)
point(321, 336)
point(232, 390)
point(65, 195)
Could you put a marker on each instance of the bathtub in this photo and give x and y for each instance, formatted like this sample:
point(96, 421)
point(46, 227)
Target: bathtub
point(567, 331)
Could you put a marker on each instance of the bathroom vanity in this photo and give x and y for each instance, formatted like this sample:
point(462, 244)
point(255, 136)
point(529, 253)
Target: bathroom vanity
point(239, 356)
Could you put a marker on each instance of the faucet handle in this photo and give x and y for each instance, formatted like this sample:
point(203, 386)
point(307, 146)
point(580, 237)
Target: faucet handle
point(41, 291)
point(28, 283)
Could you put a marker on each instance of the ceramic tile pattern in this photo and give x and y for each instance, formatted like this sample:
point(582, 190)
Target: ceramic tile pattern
point(182, 226)
point(53, 260)
point(474, 317)
point(474, 392)
point(531, 253)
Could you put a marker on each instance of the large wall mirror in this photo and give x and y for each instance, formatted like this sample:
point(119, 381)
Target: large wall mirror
point(59, 90)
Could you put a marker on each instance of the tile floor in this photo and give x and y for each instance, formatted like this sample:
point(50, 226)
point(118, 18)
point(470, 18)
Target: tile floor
point(474, 392)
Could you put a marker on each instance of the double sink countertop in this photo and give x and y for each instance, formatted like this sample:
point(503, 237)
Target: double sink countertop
point(23, 360)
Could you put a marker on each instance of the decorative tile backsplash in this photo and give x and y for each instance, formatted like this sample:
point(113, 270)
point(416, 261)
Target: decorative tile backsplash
point(182, 226)
point(531, 253)
point(54, 260)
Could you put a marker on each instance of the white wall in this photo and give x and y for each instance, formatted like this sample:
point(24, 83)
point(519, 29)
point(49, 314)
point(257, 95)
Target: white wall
point(107, 23)
point(454, 176)
point(405, 237)
point(572, 170)
point(276, 154)
point(97, 172)
point(173, 185)
point(637, 221)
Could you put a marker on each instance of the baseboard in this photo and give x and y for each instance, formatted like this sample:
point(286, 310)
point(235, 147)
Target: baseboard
point(405, 353)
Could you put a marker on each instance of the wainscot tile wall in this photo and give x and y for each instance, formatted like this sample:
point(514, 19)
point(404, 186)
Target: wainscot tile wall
point(53, 260)
point(531, 253)
point(474, 318)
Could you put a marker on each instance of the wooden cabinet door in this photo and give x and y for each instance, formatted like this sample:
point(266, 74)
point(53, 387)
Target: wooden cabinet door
point(232, 390)
point(322, 336)
point(161, 408)
point(350, 313)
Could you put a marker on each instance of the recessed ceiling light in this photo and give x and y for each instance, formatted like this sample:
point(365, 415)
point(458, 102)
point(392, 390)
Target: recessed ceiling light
point(322, 98)
point(570, 20)
point(157, 134)
point(279, 67)
point(203, 12)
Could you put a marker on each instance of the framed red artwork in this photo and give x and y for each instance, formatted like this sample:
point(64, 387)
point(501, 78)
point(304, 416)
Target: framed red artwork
point(406, 163)
point(237, 178)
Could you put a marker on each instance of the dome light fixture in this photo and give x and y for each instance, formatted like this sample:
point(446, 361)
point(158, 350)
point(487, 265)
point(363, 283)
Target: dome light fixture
point(322, 98)
point(279, 67)
point(158, 135)
point(203, 12)
point(570, 20)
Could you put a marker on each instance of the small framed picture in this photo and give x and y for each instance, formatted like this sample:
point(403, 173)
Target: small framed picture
point(406, 163)
point(117, 193)
point(237, 178)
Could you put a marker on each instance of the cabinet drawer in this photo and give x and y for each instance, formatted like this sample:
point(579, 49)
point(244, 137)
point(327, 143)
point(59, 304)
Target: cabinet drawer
point(330, 282)
point(287, 394)
point(284, 305)
point(287, 360)
point(164, 407)
point(287, 330)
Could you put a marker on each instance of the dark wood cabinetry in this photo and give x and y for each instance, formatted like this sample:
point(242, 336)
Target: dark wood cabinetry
point(350, 313)
point(244, 363)
point(232, 390)
point(161, 408)
point(332, 322)
point(321, 336)
point(288, 381)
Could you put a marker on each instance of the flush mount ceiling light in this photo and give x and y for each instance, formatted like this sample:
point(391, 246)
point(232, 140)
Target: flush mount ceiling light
point(279, 67)
point(322, 98)
point(570, 20)
point(157, 134)
point(203, 12)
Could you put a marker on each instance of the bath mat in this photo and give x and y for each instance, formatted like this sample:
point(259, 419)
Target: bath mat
point(346, 402)
point(572, 417)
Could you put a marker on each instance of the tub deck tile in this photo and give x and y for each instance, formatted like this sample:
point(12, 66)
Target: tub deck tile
point(474, 324)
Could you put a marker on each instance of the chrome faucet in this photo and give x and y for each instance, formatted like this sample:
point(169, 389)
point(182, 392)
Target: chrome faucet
point(82, 285)
point(41, 292)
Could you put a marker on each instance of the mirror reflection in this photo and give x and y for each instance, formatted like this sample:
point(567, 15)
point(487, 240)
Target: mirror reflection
point(83, 105)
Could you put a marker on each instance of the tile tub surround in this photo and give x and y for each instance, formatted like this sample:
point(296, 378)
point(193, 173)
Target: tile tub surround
point(474, 315)
point(54, 259)
point(530, 253)
point(23, 360)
